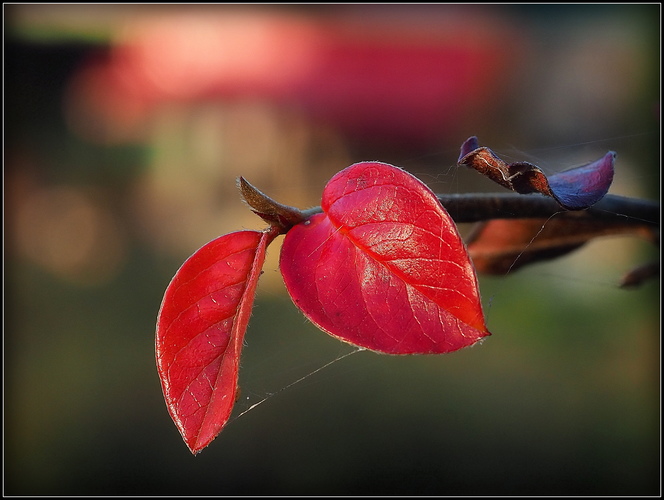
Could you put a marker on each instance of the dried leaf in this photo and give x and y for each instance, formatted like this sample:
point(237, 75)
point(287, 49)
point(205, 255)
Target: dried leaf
point(636, 277)
point(501, 245)
point(575, 189)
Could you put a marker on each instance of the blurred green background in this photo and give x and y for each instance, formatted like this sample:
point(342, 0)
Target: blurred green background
point(125, 128)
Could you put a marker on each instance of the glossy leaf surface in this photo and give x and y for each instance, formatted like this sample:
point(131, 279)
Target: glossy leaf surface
point(383, 267)
point(200, 327)
point(575, 189)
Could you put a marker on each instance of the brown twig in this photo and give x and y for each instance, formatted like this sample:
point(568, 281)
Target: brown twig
point(477, 207)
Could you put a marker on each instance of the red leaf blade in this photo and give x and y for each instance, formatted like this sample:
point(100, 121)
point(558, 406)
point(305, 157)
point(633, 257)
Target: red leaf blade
point(200, 327)
point(384, 267)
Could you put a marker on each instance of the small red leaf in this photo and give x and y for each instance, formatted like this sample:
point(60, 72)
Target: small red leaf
point(200, 327)
point(383, 267)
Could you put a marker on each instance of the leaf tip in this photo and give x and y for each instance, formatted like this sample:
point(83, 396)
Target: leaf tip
point(470, 144)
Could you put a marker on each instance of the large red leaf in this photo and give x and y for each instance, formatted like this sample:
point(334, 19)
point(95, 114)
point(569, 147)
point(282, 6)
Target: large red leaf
point(200, 327)
point(383, 267)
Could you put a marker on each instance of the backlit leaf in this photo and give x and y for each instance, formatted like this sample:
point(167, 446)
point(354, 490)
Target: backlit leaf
point(200, 327)
point(383, 267)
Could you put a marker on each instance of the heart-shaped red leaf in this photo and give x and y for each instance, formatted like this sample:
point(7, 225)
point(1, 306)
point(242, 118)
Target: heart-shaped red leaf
point(383, 267)
point(200, 327)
